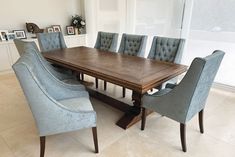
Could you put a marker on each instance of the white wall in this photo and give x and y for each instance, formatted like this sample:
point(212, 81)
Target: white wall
point(15, 13)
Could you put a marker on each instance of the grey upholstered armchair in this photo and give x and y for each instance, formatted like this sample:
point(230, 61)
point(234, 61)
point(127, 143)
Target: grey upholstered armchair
point(181, 102)
point(167, 50)
point(64, 76)
point(57, 107)
point(108, 42)
point(51, 41)
point(133, 45)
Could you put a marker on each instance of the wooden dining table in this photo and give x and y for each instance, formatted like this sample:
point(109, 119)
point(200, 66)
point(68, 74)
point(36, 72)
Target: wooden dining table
point(135, 73)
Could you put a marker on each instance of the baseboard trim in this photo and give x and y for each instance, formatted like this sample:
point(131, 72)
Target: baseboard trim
point(224, 87)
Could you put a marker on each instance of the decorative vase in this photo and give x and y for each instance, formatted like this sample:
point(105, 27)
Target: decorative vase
point(76, 31)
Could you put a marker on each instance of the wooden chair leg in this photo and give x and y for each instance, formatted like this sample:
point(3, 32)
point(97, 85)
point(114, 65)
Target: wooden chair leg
point(123, 92)
point(82, 76)
point(94, 132)
point(78, 74)
point(183, 136)
point(96, 83)
point(143, 121)
point(42, 145)
point(159, 87)
point(200, 118)
point(105, 85)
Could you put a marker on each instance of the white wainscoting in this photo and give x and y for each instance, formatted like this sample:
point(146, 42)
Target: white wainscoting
point(9, 54)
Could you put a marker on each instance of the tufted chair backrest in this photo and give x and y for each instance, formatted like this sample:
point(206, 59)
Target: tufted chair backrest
point(106, 41)
point(166, 49)
point(133, 45)
point(51, 41)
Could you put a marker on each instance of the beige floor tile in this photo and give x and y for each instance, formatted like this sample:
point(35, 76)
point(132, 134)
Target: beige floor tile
point(165, 137)
point(106, 118)
point(24, 142)
point(13, 111)
point(4, 149)
point(221, 124)
point(19, 138)
point(135, 144)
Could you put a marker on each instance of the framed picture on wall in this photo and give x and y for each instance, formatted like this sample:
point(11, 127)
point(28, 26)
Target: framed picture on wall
point(11, 36)
point(56, 28)
point(50, 30)
point(20, 34)
point(3, 34)
point(70, 30)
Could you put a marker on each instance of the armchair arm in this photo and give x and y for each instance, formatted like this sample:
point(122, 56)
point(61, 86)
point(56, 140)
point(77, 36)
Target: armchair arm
point(180, 51)
point(175, 104)
point(141, 53)
point(113, 46)
point(56, 88)
point(97, 43)
point(51, 117)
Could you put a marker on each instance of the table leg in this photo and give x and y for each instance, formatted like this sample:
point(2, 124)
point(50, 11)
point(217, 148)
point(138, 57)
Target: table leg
point(133, 115)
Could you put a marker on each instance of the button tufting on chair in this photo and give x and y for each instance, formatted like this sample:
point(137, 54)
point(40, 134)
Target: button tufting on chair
point(167, 49)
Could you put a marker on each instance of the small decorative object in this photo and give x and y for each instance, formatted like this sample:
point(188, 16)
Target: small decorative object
point(33, 28)
point(20, 34)
point(78, 22)
point(50, 30)
point(11, 36)
point(70, 30)
point(56, 28)
point(3, 34)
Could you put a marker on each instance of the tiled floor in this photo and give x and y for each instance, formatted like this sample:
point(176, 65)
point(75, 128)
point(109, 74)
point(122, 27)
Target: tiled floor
point(18, 135)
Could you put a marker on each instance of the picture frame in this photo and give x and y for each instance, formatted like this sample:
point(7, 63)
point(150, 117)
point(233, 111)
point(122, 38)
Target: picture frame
point(3, 34)
point(56, 28)
point(70, 30)
point(11, 36)
point(49, 30)
point(20, 34)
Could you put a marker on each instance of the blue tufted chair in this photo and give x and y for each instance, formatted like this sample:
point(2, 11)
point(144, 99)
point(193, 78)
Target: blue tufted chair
point(133, 45)
point(57, 107)
point(51, 41)
point(108, 42)
point(167, 50)
point(54, 71)
point(183, 101)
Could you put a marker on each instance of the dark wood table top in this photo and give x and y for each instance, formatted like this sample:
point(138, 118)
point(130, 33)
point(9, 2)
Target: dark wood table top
point(136, 73)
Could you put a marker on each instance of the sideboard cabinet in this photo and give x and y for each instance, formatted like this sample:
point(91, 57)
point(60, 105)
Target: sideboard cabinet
point(9, 54)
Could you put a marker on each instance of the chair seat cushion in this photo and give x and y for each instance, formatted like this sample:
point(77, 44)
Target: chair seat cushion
point(77, 104)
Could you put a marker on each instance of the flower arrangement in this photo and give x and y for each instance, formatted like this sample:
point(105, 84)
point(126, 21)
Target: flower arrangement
point(78, 22)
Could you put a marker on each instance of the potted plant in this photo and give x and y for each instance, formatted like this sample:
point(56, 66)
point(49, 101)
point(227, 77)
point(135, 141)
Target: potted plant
point(78, 23)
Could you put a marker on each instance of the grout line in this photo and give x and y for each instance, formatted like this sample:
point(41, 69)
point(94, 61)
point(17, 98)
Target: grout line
point(220, 140)
point(7, 145)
